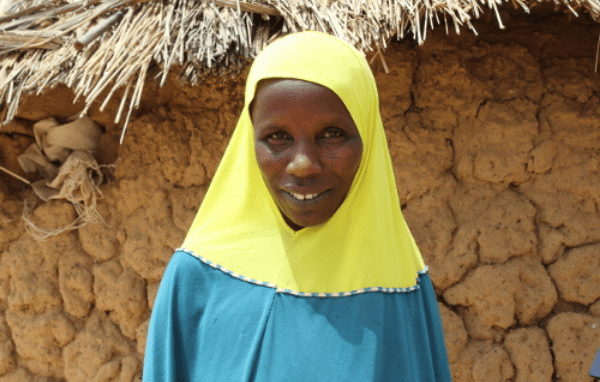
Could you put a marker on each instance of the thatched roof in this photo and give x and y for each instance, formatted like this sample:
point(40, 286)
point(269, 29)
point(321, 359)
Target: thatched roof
point(98, 47)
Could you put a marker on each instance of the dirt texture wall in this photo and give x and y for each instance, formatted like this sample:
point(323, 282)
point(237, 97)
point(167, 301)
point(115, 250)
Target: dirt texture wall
point(496, 146)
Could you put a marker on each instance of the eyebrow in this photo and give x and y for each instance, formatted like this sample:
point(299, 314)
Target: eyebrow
point(340, 122)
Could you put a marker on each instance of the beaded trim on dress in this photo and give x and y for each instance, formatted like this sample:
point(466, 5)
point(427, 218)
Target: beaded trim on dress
point(303, 294)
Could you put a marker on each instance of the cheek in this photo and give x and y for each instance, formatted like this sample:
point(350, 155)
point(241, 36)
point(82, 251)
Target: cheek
point(267, 162)
point(347, 163)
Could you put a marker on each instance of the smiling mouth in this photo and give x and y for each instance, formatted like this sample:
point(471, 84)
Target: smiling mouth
point(304, 197)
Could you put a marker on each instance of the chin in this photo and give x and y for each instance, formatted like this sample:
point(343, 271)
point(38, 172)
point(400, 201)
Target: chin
point(303, 223)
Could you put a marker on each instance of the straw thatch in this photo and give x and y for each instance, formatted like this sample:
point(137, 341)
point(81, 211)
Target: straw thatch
point(100, 46)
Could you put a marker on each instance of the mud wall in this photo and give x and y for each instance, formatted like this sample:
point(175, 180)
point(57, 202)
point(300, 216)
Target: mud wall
point(496, 146)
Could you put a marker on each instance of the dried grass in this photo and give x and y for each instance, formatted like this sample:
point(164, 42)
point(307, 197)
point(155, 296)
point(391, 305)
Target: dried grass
point(85, 216)
point(82, 190)
point(100, 46)
point(16, 176)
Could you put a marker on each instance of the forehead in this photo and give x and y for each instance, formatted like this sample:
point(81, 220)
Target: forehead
point(283, 95)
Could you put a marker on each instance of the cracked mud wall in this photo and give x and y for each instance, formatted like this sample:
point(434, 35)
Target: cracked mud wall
point(495, 142)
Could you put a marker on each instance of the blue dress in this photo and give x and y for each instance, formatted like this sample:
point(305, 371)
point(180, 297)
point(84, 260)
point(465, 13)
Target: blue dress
point(210, 325)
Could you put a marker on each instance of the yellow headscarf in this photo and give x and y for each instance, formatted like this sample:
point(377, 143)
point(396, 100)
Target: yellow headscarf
point(365, 244)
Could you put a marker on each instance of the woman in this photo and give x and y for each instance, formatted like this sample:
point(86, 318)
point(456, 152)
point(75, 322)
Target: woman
point(299, 265)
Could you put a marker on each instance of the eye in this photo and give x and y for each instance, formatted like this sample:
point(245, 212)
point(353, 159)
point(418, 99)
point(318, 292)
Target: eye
point(278, 138)
point(332, 133)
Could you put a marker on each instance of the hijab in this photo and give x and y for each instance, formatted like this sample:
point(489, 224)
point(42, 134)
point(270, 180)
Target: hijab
point(365, 246)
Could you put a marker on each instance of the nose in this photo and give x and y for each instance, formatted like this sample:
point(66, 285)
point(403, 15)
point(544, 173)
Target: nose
point(304, 163)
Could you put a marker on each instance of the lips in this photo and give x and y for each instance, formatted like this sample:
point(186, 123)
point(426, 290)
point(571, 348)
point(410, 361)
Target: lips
point(305, 198)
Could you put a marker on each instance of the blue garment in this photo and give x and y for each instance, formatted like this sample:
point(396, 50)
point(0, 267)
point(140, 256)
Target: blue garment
point(595, 370)
point(210, 326)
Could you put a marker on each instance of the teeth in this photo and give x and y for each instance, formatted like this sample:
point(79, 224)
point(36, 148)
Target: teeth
point(302, 197)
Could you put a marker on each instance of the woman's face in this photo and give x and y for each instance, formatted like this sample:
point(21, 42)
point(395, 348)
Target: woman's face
point(307, 147)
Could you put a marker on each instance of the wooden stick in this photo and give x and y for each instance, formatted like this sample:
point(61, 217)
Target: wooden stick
point(597, 53)
point(15, 175)
point(73, 6)
point(95, 32)
point(248, 7)
point(22, 13)
point(27, 42)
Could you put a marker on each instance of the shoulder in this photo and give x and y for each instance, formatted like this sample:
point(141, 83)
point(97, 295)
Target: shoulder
point(181, 268)
point(181, 260)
